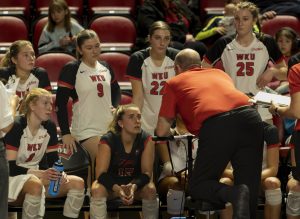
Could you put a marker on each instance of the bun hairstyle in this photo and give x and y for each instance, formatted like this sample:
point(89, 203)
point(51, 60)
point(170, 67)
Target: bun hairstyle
point(291, 34)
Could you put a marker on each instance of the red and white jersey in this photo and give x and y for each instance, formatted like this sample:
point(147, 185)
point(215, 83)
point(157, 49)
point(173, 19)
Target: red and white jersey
point(245, 64)
point(31, 148)
point(37, 78)
point(141, 67)
point(91, 93)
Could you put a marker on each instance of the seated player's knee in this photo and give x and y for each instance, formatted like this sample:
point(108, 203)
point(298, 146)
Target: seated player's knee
point(148, 192)
point(227, 181)
point(98, 190)
point(76, 182)
point(33, 186)
point(271, 183)
point(170, 182)
point(293, 204)
point(293, 185)
point(273, 196)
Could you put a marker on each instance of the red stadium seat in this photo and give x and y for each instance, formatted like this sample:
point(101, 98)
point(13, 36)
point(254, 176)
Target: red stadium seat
point(273, 25)
point(118, 62)
point(37, 31)
point(53, 63)
point(112, 7)
point(12, 29)
point(209, 7)
point(75, 6)
point(125, 99)
point(15, 8)
point(116, 33)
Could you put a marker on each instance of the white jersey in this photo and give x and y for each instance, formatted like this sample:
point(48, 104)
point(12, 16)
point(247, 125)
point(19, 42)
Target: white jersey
point(245, 64)
point(141, 67)
point(179, 154)
point(91, 94)
point(37, 78)
point(6, 117)
point(31, 148)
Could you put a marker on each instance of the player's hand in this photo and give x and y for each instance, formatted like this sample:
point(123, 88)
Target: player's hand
point(129, 191)
point(273, 108)
point(64, 178)
point(220, 30)
point(69, 142)
point(189, 38)
point(122, 194)
point(51, 174)
point(65, 41)
point(265, 78)
point(268, 15)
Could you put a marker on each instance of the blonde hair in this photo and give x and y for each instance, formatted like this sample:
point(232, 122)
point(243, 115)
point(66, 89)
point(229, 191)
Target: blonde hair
point(249, 6)
point(13, 52)
point(118, 115)
point(31, 97)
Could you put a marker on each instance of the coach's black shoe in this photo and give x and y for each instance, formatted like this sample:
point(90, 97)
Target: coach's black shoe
point(240, 202)
point(295, 173)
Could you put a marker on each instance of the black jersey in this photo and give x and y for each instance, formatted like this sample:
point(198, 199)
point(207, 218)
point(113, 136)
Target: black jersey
point(125, 166)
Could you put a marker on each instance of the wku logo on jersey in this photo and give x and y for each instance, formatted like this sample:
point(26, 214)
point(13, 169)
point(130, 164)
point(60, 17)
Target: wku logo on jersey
point(64, 153)
point(245, 64)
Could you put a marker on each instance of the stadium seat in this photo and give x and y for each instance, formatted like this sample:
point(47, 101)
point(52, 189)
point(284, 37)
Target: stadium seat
point(209, 8)
point(125, 98)
point(273, 25)
point(116, 33)
point(118, 62)
point(53, 63)
point(111, 7)
point(37, 31)
point(13, 28)
point(75, 6)
point(15, 8)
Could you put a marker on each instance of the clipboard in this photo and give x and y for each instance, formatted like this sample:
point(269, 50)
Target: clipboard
point(266, 99)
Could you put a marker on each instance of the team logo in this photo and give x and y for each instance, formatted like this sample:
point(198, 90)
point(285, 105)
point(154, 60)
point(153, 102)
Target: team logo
point(64, 153)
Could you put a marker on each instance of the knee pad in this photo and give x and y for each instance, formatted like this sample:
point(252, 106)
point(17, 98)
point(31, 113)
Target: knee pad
point(273, 196)
point(98, 209)
point(32, 207)
point(150, 208)
point(175, 201)
point(73, 203)
point(293, 204)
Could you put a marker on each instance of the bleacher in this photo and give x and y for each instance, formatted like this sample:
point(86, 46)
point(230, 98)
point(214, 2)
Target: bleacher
point(115, 22)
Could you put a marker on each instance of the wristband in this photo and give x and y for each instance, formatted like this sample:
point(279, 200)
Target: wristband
point(106, 180)
point(141, 180)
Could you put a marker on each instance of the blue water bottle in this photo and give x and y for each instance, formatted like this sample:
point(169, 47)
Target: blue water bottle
point(54, 184)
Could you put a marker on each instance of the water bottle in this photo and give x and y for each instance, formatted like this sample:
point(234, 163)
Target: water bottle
point(54, 184)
